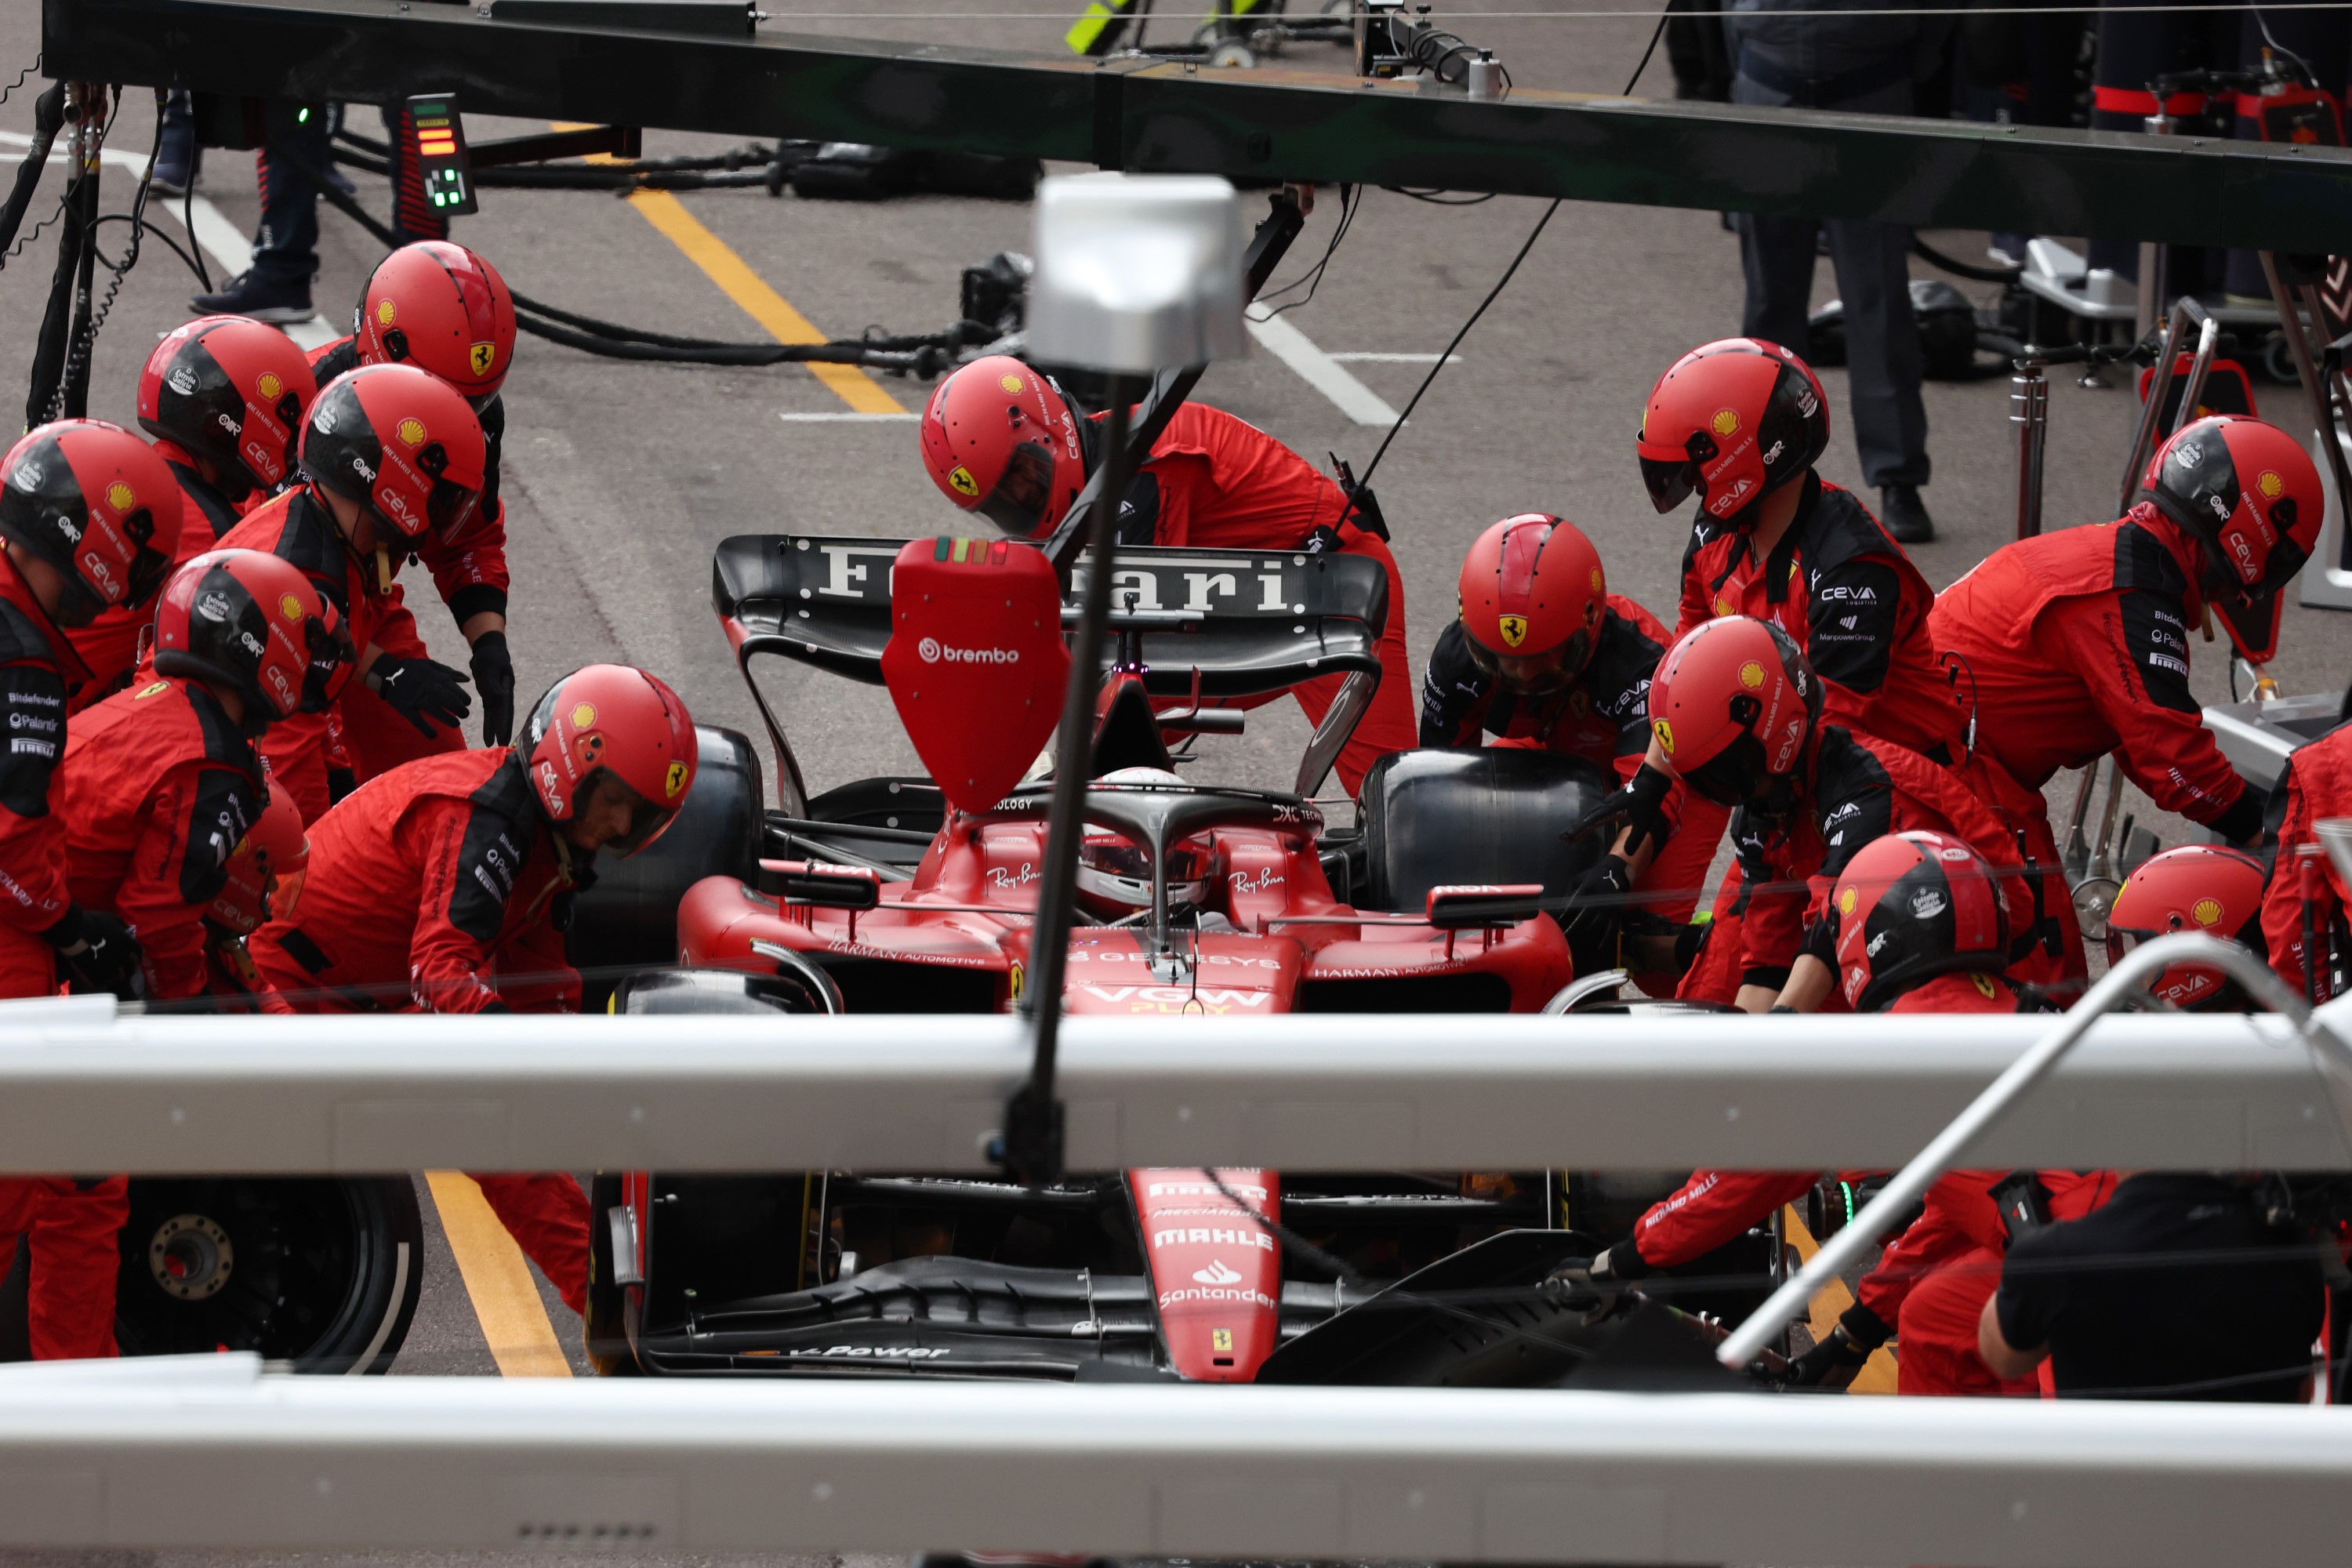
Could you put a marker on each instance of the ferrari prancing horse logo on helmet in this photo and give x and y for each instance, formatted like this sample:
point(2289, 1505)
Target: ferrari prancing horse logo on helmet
point(960, 479)
point(676, 780)
point(1665, 735)
point(1514, 629)
point(481, 356)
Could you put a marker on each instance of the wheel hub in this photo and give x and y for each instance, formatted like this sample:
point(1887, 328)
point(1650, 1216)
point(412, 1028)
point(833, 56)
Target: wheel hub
point(191, 1257)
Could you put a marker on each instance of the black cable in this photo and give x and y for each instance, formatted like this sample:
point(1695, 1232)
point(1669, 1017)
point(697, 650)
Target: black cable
point(167, 242)
point(1655, 33)
point(1437, 198)
point(48, 115)
point(24, 75)
point(77, 364)
point(1442, 359)
point(1350, 203)
point(188, 223)
point(1974, 272)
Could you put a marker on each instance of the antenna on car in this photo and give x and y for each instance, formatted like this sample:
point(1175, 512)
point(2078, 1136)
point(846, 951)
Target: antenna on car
point(1137, 276)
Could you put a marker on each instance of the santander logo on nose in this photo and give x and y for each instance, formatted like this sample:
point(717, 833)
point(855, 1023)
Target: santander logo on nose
point(1216, 1273)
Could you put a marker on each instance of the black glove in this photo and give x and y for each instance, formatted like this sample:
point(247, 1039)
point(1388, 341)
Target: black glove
point(1597, 906)
point(425, 693)
point(494, 678)
point(1834, 1362)
point(1645, 798)
point(1324, 541)
point(98, 953)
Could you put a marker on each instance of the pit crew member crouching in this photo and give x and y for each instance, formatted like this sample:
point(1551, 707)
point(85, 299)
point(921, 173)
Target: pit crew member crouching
point(446, 885)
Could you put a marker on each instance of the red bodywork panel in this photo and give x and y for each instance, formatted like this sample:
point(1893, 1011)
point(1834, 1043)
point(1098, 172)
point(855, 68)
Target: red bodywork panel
point(1216, 1271)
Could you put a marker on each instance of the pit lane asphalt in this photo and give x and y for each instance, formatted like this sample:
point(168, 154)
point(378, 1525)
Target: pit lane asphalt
point(621, 478)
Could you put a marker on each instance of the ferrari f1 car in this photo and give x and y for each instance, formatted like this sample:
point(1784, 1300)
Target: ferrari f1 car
point(881, 896)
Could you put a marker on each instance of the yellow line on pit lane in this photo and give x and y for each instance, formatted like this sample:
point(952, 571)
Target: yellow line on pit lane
point(506, 1298)
point(750, 291)
point(1877, 1374)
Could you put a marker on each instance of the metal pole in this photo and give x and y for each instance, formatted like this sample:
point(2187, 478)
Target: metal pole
point(1033, 1120)
point(2144, 437)
point(2028, 415)
point(1949, 1146)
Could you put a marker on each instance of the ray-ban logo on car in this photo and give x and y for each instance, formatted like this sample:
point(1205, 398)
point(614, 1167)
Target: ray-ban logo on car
point(932, 651)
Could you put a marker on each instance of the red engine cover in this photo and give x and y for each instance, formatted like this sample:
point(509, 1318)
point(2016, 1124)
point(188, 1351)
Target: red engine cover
point(1216, 1270)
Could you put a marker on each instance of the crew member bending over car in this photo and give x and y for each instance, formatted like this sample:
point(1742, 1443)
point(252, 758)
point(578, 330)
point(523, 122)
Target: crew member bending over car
point(439, 307)
point(1541, 656)
point(1737, 712)
point(390, 459)
point(89, 516)
point(446, 886)
point(1001, 440)
point(2076, 643)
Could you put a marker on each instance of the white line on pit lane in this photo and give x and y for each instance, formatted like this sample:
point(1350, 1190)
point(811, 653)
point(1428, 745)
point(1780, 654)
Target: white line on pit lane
point(1318, 370)
point(1366, 357)
point(226, 244)
point(843, 416)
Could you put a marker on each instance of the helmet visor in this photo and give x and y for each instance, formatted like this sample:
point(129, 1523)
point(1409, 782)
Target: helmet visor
point(451, 506)
point(1018, 503)
point(1670, 481)
point(1532, 674)
point(647, 821)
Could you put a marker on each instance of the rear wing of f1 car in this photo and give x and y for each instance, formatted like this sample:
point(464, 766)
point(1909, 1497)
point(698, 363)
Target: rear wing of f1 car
point(1224, 623)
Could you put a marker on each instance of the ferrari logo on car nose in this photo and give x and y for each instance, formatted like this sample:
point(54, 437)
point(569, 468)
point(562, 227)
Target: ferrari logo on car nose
point(1221, 1341)
point(1515, 630)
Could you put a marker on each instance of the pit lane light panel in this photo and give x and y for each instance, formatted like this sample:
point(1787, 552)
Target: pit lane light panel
point(441, 153)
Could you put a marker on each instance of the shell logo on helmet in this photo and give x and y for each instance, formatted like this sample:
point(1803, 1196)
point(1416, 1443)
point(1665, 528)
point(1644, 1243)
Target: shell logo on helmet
point(2270, 484)
point(1725, 422)
point(1514, 629)
point(412, 432)
point(269, 386)
point(1751, 675)
point(2206, 911)
point(121, 496)
point(385, 312)
point(584, 715)
point(290, 607)
point(1010, 382)
point(1599, 585)
point(1846, 900)
point(675, 781)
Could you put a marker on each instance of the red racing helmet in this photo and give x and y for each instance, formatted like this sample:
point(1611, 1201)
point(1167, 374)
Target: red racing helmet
point(2203, 888)
point(618, 720)
point(1911, 906)
point(98, 504)
point(401, 444)
point(2249, 494)
point(436, 305)
point(250, 621)
point(1735, 706)
point(1531, 601)
point(1001, 440)
point(263, 876)
point(230, 390)
point(1734, 421)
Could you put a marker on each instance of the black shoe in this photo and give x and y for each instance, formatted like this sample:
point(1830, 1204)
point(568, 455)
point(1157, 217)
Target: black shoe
point(279, 300)
point(176, 164)
point(1904, 515)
